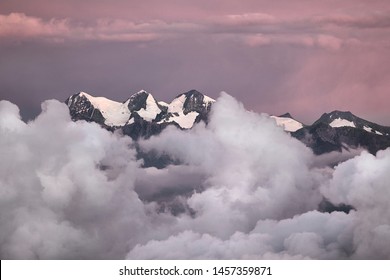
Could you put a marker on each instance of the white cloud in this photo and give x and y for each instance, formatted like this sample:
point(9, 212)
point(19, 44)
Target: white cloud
point(244, 189)
point(56, 202)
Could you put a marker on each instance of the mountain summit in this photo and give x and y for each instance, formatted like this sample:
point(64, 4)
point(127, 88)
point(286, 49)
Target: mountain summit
point(141, 114)
point(340, 130)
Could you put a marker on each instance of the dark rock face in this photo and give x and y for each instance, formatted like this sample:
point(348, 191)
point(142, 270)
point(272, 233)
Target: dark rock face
point(138, 101)
point(143, 129)
point(80, 108)
point(194, 102)
point(327, 207)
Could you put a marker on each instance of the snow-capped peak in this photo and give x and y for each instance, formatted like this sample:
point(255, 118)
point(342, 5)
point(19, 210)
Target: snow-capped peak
point(176, 106)
point(339, 119)
point(184, 110)
point(186, 107)
point(114, 113)
point(151, 111)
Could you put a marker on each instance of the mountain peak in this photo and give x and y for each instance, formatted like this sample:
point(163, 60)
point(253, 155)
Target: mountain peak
point(286, 115)
point(192, 92)
point(196, 101)
point(338, 114)
point(138, 100)
point(141, 114)
point(339, 118)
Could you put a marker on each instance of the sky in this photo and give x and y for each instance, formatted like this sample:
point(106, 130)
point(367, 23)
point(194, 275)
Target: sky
point(303, 57)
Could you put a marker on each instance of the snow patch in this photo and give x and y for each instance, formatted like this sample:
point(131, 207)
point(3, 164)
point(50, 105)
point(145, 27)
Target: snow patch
point(371, 130)
point(184, 121)
point(288, 124)
point(207, 99)
point(130, 121)
point(162, 103)
point(368, 129)
point(177, 104)
point(151, 111)
point(341, 122)
point(114, 113)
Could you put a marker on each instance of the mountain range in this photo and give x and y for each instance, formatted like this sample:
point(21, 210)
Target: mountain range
point(142, 116)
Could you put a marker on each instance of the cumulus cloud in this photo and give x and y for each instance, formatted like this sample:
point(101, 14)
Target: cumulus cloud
point(363, 183)
point(249, 178)
point(310, 235)
point(240, 188)
point(56, 199)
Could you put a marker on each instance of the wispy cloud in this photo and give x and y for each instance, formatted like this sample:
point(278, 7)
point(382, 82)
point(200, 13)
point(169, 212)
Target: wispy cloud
point(330, 32)
point(22, 27)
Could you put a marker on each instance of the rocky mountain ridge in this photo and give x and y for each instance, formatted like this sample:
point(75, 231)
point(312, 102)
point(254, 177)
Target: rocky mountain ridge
point(142, 116)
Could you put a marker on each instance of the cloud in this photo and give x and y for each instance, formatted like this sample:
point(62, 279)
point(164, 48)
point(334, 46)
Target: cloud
point(247, 19)
point(362, 182)
point(368, 20)
point(56, 201)
point(310, 235)
point(256, 29)
point(22, 26)
point(329, 42)
point(252, 173)
point(241, 188)
point(323, 41)
point(19, 26)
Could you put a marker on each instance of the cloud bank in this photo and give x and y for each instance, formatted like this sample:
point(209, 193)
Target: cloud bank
point(243, 189)
point(330, 32)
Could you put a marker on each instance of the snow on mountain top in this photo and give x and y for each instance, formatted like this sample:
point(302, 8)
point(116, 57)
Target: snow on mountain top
point(191, 100)
point(162, 103)
point(176, 105)
point(137, 95)
point(185, 121)
point(207, 99)
point(288, 124)
point(151, 110)
point(115, 113)
point(341, 122)
point(183, 110)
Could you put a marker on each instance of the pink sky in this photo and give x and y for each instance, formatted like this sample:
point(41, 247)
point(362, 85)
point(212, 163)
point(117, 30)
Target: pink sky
point(306, 57)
